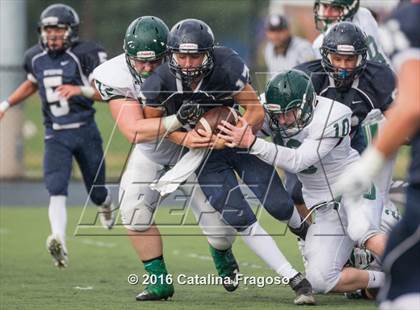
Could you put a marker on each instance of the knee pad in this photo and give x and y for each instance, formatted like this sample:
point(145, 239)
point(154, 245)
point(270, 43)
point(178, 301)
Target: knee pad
point(320, 281)
point(98, 194)
point(281, 210)
point(137, 217)
point(56, 188)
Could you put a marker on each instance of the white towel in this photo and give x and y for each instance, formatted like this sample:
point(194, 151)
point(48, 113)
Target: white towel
point(171, 180)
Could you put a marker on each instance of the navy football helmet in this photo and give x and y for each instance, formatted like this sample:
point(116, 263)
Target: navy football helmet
point(191, 36)
point(344, 38)
point(61, 16)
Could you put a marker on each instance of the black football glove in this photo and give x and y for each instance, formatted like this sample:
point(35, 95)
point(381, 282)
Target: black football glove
point(189, 113)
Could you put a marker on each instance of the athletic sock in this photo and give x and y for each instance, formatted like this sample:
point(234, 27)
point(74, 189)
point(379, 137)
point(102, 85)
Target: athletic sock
point(295, 220)
point(265, 247)
point(376, 279)
point(57, 214)
point(155, 266)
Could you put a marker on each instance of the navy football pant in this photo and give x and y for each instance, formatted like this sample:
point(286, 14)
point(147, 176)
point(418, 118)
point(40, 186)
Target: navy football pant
point(401, 260)
point(85, 145)
point(219, 183)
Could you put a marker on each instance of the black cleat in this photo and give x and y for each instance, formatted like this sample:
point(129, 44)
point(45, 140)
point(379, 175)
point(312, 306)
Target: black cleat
point(303, 290)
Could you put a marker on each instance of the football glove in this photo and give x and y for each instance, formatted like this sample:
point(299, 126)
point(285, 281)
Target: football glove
point(358, 177)
point(189, 113)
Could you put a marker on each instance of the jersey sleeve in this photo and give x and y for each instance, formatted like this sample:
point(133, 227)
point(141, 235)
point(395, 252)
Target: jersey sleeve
point(293, 160)
point(236, 74)
point(113, 80)
point(27, 64)
point(385, 88)
point(89, 60)
point(109, 92)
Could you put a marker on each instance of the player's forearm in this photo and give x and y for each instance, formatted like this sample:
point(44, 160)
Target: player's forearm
point(24, 90)
point(177, 137)
point(254, 111)
point(292, 160)
point(401, 125)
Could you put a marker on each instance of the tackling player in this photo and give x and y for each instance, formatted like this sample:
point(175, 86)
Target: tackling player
point(60, 68)
point(119, 81)
point(311, 138)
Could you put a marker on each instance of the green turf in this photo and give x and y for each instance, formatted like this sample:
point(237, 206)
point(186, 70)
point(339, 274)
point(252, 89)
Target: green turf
point(29, 281)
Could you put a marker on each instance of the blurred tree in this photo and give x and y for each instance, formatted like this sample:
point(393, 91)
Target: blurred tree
point(234, 23)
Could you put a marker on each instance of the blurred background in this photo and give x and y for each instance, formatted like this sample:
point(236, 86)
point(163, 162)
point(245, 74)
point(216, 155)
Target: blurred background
point(238, 24)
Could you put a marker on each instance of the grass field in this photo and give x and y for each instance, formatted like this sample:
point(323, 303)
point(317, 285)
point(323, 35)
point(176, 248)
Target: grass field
point(100, 265)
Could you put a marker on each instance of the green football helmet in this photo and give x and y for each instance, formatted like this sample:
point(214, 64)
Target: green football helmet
point(145, 40)
point(348, 10)
point(290, 92)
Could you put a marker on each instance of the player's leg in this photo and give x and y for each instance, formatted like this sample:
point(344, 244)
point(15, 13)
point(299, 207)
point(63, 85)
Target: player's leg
point(137, 206)
point(220, 235)
point(401, 259)
point(57, 171)
point(327, 249)
point(267, 186)
point(89, 155)
point(219, 183)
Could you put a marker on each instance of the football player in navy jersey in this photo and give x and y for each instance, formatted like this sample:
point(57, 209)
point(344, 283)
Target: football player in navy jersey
point(196, 78)
point(402, 254)
point(60, 68)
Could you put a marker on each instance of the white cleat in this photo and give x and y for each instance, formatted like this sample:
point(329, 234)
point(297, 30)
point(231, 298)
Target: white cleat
point(55, 248)
point(107, 216)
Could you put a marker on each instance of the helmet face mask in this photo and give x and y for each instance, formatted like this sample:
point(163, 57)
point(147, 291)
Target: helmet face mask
point(290, 100)
point(346, 9)
point(145, 46)
point(341, 41)
point(58, 16)
point(194, 39)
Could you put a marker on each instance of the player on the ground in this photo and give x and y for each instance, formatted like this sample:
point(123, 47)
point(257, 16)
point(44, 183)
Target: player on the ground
point(329, 12)
point(311, 138)
point(402, 254)
point(119, 81)
point(201, 76)
point(60, 68)
point(284, 50)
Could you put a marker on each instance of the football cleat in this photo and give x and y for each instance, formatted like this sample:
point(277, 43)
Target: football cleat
point(367, 293)
point(226, 267)
point(303, 290)
point(107, 216)
point(156, 292)
point(56, 249)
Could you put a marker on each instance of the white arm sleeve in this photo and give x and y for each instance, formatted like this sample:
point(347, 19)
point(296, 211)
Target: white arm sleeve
point(293, 160)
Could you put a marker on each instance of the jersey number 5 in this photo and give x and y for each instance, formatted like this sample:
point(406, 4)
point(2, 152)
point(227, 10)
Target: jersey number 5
point(59, 106)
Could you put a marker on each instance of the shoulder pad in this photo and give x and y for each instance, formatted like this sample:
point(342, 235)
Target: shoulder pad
point(115, 77)
point(331, 119)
